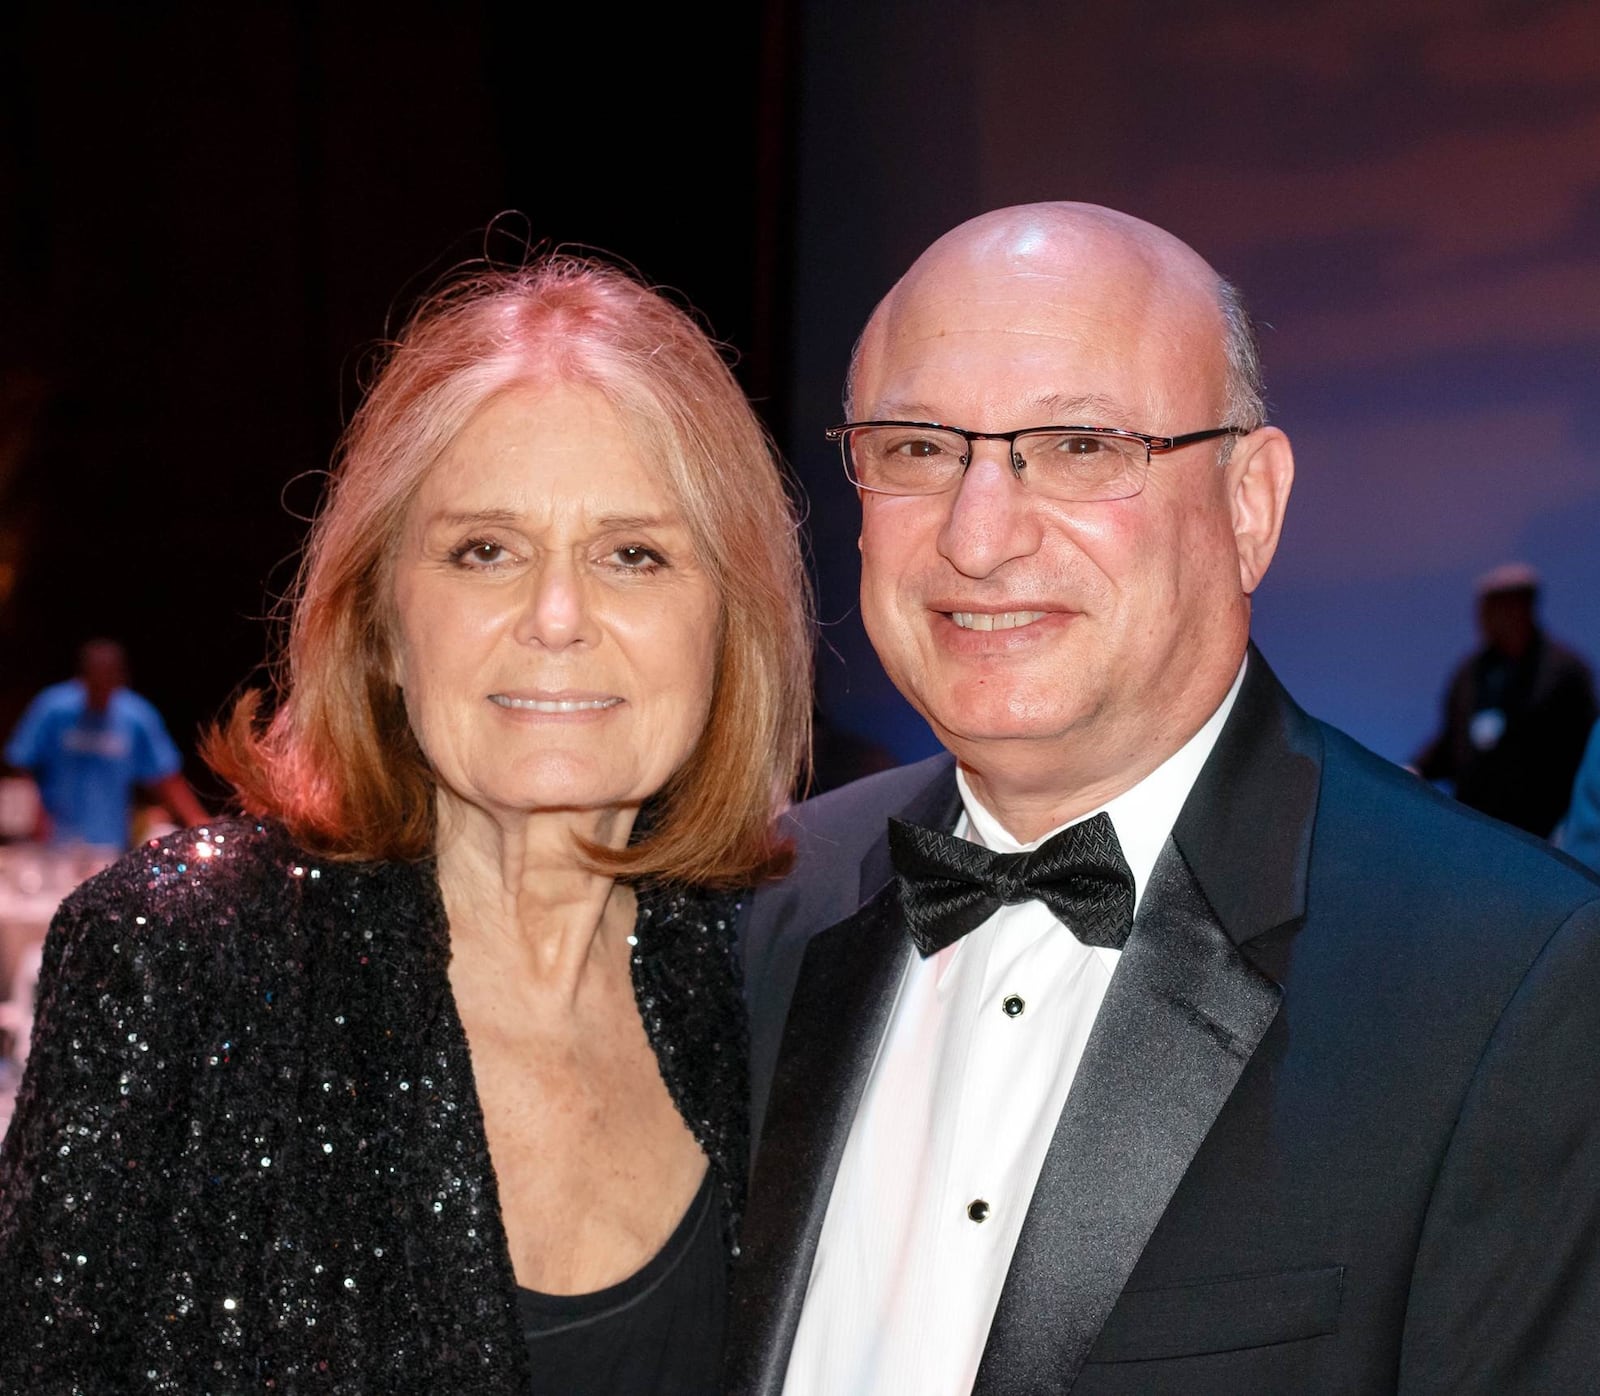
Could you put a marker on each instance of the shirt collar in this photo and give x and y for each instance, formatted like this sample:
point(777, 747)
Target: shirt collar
point(1143, 815)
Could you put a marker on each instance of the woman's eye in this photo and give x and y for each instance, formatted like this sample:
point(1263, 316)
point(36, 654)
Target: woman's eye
point(480, 552)
point(635, 557)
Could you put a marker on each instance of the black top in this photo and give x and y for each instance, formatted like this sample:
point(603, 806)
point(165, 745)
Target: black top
point(656, 1333)
point(248, 1153)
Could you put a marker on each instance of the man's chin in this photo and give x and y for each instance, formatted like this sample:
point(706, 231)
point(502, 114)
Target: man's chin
point(973, 730)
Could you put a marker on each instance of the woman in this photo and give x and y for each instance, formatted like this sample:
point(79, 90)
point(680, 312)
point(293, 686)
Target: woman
point(429, 1076)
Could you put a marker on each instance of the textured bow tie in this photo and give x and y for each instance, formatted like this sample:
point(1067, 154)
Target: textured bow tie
point(949, 886)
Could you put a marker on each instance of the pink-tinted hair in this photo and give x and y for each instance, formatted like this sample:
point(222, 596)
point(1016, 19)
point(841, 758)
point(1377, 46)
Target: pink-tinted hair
point(336, 761)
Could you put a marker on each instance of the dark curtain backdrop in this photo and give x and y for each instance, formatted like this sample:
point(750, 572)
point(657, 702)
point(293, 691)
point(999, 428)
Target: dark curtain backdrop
point(210, 214)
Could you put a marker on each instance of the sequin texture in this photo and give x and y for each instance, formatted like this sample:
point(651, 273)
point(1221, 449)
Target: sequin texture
point(248, 1154)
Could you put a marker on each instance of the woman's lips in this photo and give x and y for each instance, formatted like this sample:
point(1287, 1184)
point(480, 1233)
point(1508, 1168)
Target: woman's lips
point(562, 704)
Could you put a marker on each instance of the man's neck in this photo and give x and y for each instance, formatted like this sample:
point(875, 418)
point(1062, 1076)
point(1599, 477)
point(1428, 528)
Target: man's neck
point(1029, 814)
point(1030, 790)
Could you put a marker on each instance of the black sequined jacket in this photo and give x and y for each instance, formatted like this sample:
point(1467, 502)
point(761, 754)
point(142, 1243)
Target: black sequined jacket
point(248, 1154)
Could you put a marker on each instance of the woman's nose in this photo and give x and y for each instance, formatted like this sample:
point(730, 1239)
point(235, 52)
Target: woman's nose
point(556, 610)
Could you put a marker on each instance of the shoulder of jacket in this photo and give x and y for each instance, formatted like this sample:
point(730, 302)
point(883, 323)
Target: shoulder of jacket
point(854, 814)
point(1477, 855)
point(194, 880)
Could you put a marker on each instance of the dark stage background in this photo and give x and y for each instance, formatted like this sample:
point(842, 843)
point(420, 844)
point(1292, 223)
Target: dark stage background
point(209, 214)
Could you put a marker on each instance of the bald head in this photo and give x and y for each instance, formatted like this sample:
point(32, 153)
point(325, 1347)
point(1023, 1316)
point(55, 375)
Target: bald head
point(1063, 256)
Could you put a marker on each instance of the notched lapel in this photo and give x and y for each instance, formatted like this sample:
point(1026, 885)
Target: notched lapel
point(936, 806)
point(1181, 1017)
point(1245, 829)
point(841, 1005)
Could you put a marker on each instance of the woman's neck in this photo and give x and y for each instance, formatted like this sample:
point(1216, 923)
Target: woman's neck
point(518, 888)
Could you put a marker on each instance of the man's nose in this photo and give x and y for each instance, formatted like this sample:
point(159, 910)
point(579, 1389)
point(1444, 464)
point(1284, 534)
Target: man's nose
point(557, 609)
point(992, 517)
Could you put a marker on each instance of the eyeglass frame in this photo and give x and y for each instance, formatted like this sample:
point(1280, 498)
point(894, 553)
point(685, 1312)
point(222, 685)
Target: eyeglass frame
point(1153, 446)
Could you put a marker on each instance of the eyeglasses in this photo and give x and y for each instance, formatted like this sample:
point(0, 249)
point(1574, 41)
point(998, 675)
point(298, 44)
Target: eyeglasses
point(1080, 465)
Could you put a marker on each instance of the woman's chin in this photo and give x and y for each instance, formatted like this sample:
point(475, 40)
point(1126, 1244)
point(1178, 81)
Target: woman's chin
point(574, 794)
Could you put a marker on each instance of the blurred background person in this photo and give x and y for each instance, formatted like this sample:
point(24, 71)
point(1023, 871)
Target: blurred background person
point(90, 743)
point(430, 1077)
point(1580, 830)
point(1516, 713)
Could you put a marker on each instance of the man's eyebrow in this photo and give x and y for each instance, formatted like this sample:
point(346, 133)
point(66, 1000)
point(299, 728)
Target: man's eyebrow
point(1083, 409)
point(1047, 409)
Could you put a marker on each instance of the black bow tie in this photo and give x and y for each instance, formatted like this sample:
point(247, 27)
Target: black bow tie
point(949, 886)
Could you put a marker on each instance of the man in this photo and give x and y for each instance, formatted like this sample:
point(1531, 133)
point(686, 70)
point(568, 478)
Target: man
point(87, 743)
point(1276, 1072)
point(1516, 713)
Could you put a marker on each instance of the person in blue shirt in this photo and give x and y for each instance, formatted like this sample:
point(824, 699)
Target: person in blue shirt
point(88, 743)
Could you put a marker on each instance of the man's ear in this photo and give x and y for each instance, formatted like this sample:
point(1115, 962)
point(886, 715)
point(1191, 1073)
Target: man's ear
point(1259, 475)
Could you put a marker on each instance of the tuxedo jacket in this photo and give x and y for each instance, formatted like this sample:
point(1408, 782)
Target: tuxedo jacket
point(1336, 1128)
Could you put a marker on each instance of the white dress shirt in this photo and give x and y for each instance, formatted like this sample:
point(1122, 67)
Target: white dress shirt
point(952, 1130)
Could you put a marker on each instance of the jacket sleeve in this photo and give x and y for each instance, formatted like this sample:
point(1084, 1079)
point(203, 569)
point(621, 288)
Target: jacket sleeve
point(1505, 1294)
point(79, 1171)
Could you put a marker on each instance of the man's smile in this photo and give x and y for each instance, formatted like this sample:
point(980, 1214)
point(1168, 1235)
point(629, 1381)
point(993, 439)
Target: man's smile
point(987, 620)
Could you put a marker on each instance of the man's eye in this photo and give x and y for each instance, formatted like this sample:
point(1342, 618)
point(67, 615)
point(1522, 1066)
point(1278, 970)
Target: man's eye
point(921, 448)
point(1080, 445)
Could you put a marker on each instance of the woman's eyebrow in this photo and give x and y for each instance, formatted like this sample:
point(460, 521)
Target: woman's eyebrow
point(638, 520)
point(461, 519)
point(470, 518)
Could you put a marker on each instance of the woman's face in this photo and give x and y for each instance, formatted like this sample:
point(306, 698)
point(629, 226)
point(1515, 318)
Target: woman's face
point(557, 635)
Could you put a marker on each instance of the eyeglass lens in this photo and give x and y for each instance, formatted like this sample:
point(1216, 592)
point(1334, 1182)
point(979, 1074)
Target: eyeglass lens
point(1076, 466)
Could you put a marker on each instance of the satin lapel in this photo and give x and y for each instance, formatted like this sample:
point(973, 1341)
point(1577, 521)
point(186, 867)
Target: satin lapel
point(847, 986)
point(936, 806)
point(1183, 1013)
point(1245, 829)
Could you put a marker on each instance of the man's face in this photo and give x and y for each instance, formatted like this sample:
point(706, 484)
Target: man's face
point(103, 672)
point(1017, 624)
point(1506, 620)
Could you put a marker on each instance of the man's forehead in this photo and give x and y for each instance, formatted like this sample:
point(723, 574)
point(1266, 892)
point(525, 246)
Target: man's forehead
point(1042, 407)
point(1121, 358)
point(1030, 310)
